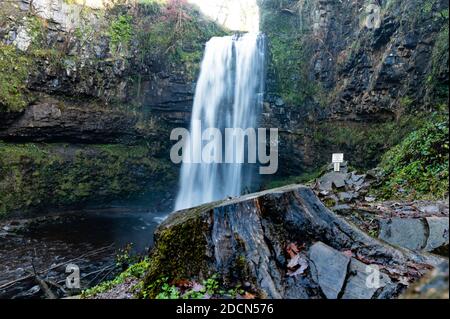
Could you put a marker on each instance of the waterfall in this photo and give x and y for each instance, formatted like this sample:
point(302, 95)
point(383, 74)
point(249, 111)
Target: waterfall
point(229, 94)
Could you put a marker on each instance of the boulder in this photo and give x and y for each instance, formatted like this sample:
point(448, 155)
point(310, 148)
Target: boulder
point(359, 285)
point(429, 234)
point(438, 233)
point(429, 209)
point(342, 187)
point(329, 268)
point(347, 197)
point(332, 179)
point(246, 241)
point(404, 232)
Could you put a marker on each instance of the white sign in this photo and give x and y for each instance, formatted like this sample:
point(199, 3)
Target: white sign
point(337, 159)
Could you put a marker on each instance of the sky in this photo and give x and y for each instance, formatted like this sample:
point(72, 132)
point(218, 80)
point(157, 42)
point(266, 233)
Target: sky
point(239, 15)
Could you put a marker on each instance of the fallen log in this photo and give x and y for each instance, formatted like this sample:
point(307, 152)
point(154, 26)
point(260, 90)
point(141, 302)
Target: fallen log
point(252, 241)
point(48, 292)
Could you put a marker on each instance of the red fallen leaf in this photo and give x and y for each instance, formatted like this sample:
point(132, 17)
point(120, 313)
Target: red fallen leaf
point(248, 295)
point(183, 283)
point(292, 250)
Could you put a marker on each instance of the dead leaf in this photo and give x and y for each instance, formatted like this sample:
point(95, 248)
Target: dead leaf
point(292, 250)
point(183, 283)
point(248, 295)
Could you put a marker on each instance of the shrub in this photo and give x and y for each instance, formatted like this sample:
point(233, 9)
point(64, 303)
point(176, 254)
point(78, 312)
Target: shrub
point(418, 167)
point(120, 32)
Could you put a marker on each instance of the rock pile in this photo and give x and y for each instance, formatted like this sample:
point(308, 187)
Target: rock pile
point(416, 225)
point(344, 187)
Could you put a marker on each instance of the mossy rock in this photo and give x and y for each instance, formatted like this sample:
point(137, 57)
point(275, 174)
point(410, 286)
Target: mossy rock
point(36, 176)
point(13, 75)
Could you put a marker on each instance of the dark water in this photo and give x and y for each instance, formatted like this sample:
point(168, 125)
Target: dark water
point(95, 236)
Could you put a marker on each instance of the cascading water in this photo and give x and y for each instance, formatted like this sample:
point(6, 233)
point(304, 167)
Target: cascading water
point(229, 94)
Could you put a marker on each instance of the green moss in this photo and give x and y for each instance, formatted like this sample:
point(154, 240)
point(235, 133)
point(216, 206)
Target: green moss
point(306, 177)
point(70, 2)
point(187, 238)
point(438, 78)
point(136, 271)
point(37, 29)
point(120, 32)
point(176, 33)
point(37, 175)
point(85, 33)
point(13, 75)
point(329, 202)
point(406, 102)
point(289, 63)
point(418, 167)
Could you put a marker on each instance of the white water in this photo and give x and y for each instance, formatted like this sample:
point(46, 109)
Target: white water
point(229, 94)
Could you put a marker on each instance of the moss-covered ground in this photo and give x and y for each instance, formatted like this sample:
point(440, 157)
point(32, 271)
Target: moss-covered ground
point(34, 176)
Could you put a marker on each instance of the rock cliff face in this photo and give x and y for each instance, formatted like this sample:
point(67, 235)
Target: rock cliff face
point(51, 121)
point(365, 55)
point(86, 78)
point(341, 71)
point(110, 55)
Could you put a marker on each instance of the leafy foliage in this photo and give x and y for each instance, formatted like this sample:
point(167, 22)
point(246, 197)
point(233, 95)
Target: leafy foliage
point(364, 143)
point(125, 256)
point(120, 32)
point(136, 271)
point(13, 76)
point(186, 289)
point(418, 167)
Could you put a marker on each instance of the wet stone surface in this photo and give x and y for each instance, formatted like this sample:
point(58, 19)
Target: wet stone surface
point(329, 268)
point(408, 233)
